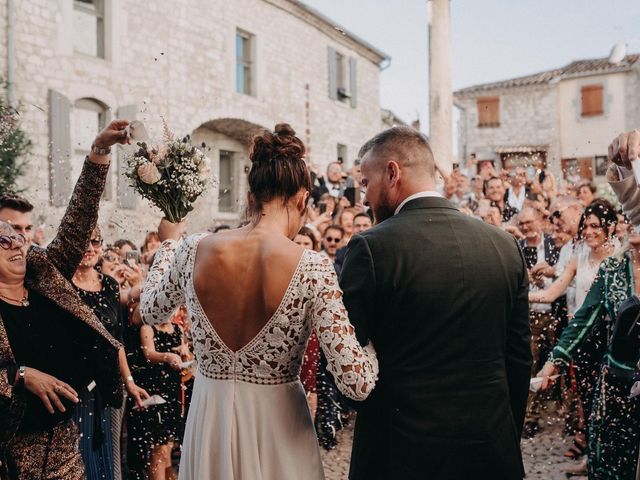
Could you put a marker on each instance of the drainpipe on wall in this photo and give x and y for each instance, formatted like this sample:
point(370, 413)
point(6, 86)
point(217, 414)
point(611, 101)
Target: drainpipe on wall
point(11, 53)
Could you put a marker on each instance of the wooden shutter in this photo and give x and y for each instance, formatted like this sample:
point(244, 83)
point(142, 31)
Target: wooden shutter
point(333, 74)
point(592, 100)
point(488, 111)
point(126, 197)
point(60, 154)
point(585, 167)
point(353, 81)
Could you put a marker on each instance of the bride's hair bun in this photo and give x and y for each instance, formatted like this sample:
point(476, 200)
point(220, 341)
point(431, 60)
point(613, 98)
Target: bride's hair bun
point(284, 129)
point(281, 144)
point(278, 168)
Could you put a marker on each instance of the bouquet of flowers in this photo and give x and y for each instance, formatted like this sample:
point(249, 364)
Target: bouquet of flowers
point(171, 174)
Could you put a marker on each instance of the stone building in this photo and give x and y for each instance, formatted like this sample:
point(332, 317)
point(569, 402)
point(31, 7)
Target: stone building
point(214, 69)
point(563, 119)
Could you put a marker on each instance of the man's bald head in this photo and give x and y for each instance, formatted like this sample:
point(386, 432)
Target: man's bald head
point(406, 146)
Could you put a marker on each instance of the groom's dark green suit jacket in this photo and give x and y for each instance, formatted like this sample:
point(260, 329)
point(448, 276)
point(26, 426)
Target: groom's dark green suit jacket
point(443, 297)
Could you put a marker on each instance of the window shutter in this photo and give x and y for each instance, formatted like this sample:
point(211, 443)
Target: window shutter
point(592, 100)
point(333, 74)
point(585, 166)
point(126, 197)
point(488, 111)
point(353, 74)
point(108, 188)
point(60, 154)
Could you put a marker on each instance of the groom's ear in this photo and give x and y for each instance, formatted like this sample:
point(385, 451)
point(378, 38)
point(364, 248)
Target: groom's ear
point(393, 171)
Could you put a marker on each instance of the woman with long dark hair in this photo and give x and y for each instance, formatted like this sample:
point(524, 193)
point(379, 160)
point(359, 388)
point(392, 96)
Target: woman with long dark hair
point(254, 296)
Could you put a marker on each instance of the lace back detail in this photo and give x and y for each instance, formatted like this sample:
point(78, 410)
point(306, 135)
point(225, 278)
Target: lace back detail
point(313, 299)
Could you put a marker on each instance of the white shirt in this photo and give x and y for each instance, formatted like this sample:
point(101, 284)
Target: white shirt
point(517, 201)
point(540, 307)
point(426, 193)
point(566, 252)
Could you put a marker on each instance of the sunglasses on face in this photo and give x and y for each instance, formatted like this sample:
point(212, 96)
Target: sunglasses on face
point(333, 240)
point(96, 242)
point(8, 242)
point(111, 258)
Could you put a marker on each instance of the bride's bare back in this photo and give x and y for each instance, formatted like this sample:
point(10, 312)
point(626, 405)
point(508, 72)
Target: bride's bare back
point(240, 277)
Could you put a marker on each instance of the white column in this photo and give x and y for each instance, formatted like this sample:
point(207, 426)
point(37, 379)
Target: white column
point(440, 95)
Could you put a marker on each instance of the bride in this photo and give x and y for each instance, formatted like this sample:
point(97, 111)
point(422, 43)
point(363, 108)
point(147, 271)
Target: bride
point(254, 297)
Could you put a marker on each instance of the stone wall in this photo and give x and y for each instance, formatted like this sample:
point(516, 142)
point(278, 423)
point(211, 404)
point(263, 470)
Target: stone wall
point(177, 60)
point(527, 117)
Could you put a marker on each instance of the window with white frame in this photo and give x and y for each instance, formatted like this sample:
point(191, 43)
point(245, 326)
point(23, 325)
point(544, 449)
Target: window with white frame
point(88, 27)
point(245, 62)
point(227, 185)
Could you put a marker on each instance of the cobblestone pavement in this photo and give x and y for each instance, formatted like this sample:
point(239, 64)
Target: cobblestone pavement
point(542, 455)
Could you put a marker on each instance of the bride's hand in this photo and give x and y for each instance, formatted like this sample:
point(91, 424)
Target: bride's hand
point(171, 231)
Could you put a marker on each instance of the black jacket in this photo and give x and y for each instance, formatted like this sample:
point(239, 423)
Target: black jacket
point(443, 297)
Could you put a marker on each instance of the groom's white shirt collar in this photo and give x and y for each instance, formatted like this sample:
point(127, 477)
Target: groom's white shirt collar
point(426, 193)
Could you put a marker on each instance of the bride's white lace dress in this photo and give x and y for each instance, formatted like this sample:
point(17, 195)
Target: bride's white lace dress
point(249, 418)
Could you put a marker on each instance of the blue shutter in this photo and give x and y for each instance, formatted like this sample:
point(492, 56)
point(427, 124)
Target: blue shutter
point(60, 154)
point(126, 197)
point(353, 80)
point(333, 74)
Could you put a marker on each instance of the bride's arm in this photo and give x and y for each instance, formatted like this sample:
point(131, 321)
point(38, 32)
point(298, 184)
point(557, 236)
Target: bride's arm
point(354, 368)
point(162, 292)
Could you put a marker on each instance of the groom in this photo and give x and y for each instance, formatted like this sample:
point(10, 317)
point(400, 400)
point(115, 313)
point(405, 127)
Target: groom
point(443, 298)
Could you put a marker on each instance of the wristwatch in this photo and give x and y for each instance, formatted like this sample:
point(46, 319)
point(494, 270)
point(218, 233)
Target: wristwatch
point(21, 371)
point(100, 150)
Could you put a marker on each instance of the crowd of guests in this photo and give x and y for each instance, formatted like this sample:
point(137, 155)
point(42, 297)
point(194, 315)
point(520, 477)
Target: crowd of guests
point(582, 254)
point(580, 251)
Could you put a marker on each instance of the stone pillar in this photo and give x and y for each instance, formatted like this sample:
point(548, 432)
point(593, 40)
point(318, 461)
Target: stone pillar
point(440, 95)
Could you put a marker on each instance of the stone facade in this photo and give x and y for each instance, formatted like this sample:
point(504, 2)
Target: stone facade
point(177, 60)
point(541, 113)
point(527, 117)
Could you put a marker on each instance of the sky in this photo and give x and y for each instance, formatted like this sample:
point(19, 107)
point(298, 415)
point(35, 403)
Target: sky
point(491, 39)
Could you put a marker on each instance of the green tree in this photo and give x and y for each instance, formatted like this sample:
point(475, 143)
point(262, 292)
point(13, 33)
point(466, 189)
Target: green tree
point(14, 148)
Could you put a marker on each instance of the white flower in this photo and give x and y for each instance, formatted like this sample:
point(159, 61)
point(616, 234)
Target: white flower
point(149, 173)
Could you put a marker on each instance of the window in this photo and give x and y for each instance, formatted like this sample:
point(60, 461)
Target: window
point(227, 201)
point(88, 27)
point(88, 118)
point(245, 71)
point(342, 77)
point(602, 164)
point(576, 169)
point(488, 112)
point(592, 100)
point(341, 154)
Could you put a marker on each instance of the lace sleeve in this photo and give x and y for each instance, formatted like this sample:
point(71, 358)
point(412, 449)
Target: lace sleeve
point(163, 291)
point(354, 368)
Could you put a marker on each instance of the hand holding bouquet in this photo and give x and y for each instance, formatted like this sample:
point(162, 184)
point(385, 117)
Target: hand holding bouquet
point(171, 174)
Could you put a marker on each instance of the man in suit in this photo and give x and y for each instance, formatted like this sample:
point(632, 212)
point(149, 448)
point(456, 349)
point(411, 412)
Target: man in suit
point(443, 298)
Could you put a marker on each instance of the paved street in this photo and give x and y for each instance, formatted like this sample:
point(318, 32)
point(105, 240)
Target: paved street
point(542, 455)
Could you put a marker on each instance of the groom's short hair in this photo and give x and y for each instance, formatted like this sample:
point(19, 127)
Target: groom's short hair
point(406, 145)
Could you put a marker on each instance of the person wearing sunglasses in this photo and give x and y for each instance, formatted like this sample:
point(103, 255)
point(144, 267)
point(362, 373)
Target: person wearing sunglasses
point(53, 347)
point(332, 240)
point(100, 425)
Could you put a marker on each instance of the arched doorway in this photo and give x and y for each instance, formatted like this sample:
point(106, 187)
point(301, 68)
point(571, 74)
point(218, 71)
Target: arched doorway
point(227, 141)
